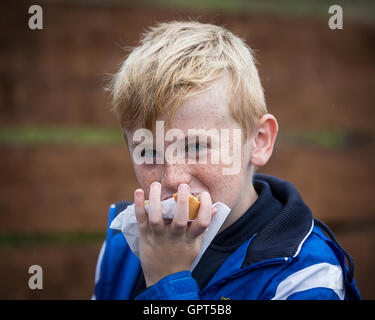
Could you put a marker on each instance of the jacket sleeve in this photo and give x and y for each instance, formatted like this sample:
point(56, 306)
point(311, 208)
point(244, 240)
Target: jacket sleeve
point(320, 281)
point(315, 294)
point(176, 286)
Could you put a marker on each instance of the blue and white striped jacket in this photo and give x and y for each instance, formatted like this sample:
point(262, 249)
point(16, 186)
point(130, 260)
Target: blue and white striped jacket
point(290, 258)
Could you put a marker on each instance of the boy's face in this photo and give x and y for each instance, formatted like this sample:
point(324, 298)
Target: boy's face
point(207, 110)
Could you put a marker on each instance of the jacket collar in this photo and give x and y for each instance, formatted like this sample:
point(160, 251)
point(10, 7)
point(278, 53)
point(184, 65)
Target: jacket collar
point(284, 235)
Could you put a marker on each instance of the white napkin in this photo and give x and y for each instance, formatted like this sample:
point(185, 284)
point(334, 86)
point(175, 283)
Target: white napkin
point(126, 222)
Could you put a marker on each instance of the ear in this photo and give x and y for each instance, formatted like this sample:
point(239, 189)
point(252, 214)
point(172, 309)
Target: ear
point(264, 140)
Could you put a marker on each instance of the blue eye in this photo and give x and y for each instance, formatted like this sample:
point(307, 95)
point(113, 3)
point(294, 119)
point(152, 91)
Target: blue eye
point(196, 147)
point(150, 153)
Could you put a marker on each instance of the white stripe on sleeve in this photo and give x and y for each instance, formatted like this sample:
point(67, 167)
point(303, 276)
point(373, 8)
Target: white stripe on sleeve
point(321, 275)
point(99, 262)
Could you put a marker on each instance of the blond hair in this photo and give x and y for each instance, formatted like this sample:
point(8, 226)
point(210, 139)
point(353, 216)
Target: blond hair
point(175, 60)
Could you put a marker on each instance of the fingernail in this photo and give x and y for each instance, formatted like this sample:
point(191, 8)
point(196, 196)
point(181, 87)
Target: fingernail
point(183, 187)
point(155, 184)
point(138, 192)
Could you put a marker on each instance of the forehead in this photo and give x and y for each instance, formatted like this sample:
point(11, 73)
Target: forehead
point(205, 110)
point(208, 109)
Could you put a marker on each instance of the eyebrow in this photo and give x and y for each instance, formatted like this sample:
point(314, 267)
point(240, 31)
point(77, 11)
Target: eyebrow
point(136, 143)
point(188, 139)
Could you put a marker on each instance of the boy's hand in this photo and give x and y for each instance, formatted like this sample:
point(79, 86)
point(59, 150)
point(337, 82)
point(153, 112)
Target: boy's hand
point(169, 248)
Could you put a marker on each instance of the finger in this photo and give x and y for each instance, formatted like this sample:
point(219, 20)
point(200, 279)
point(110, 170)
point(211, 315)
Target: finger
point(203, 219)
point(181, 215)
point(140, 212)
point(155, 216)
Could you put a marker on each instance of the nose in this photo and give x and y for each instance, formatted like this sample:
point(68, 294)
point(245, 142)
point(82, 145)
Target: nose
point(174, 175)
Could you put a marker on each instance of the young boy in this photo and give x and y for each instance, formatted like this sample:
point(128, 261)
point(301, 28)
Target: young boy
point(189, 75)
